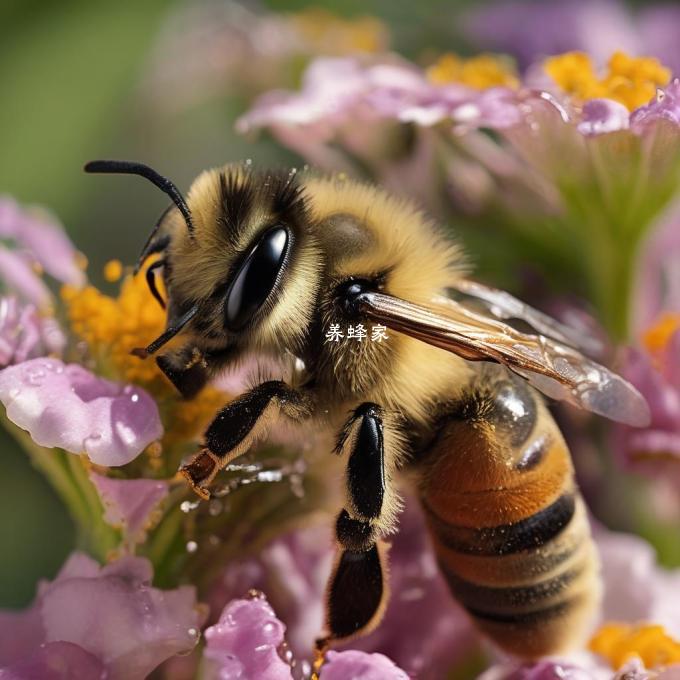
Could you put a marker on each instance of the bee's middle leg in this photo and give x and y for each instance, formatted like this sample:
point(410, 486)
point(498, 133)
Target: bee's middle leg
point(238, 425)
point(357, 591)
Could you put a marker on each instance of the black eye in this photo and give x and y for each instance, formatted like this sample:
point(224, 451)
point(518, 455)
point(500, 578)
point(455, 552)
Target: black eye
point(256, 277)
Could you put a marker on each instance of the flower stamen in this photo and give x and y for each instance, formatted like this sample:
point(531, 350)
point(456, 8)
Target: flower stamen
point(479, 73)
point(619, 642)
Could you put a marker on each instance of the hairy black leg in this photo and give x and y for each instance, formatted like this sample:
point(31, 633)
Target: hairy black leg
point(238, 425)
point(363, 437)
point(357, 589)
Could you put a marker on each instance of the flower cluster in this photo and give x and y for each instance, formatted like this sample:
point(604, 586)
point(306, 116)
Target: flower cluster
point(548, 163)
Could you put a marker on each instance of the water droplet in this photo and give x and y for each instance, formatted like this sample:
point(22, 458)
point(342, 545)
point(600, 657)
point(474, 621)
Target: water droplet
point(188, 506)
point(215, 507)
point(192, 546)
point(249, 161)
point(134, 398)
point(193, 632)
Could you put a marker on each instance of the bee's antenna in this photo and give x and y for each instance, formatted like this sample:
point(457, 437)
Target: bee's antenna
point(164, 184)
point(168, 334)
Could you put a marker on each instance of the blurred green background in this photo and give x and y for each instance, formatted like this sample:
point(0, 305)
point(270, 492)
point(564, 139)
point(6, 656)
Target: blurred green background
point(71, 78)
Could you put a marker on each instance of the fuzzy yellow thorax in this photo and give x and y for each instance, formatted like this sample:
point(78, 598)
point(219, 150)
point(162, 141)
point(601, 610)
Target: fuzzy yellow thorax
point(619, 642)
point(632, 81)
point(480, 72)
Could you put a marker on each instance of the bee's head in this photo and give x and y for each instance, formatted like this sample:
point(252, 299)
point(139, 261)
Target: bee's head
point(242, 265)
point(253, 264)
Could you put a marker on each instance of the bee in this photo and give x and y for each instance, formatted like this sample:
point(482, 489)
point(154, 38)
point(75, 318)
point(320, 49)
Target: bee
point(268, 262)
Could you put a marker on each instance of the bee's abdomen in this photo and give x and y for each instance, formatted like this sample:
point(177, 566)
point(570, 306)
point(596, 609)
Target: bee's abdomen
point(512, 539)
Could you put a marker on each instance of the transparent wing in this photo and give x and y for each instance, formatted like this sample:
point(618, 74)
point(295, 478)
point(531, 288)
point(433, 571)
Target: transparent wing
point(554, 368)
point(504, 306)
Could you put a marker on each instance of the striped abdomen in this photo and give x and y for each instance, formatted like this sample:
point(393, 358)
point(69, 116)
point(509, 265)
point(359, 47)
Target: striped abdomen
point(508, 523)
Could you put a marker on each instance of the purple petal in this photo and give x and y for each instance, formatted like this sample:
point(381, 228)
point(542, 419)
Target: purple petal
point(19, 277)
point(113, 613)
point(43, 237)
point(532, 30)
point(603, 115)
point(360, 666)
point(25, 334)
point(130, 503)
point(665, 106)
point(56, 661)
point(92, 616)
point(20, 633)
point(244, 643)
point(66, 406)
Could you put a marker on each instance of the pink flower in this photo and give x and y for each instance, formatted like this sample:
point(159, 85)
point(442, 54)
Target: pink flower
point(36, 232)
point(424, 631)
point(66, 406)
point(25, 334)
point(130, 503)
point(657, 376)
point(244, 643)
point(360, 665)
point(666, 106)
point(19, 277)
point(248, 641)
point(93, 622)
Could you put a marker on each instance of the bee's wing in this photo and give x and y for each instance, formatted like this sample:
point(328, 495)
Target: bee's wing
point(556, 369)
point(502, 305)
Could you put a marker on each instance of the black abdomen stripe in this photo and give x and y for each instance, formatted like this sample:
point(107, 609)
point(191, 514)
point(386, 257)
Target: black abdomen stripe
point(505, 539)
point(492, 601)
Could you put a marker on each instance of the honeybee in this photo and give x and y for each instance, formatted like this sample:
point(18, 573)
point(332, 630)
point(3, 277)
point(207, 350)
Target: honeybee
point(269, 262)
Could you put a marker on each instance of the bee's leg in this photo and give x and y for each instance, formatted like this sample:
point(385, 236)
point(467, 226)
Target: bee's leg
point(357, 592)
point(189, 369)
point(238, 425)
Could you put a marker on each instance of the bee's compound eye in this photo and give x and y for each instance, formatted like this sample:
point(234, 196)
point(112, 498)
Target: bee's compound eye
point(256, 277)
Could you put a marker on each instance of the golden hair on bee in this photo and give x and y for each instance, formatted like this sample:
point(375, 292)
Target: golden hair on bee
point(366, 303)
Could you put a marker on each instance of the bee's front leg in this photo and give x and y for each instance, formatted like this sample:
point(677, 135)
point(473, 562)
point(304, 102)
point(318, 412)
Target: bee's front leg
point(357, 591)
point(238, 425)
point(189, 369)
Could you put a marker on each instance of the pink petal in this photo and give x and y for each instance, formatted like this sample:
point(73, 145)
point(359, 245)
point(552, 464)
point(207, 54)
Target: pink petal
point(360, 666)
point(25, 334)
point(129, 503)
point(118, 617)
point(20, 633)
point(66, 406)
point(244, 642)
point(19, 277)
point(56, 661)
point(43, 237)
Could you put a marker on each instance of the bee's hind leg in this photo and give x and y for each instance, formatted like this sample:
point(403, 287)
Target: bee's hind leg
point(357, 591)
point(238, 425)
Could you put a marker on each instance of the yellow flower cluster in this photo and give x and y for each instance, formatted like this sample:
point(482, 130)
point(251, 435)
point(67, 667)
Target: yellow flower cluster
point(328, 33)
point(112, 326)
point(480, 72)
point(619, 642)
point(632, 81)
